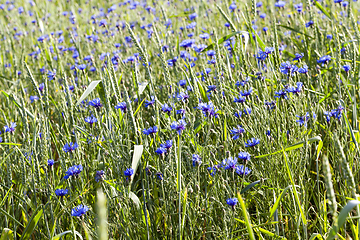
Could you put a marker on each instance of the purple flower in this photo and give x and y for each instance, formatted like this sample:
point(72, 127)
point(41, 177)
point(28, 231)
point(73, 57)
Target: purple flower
point(196, 159)
point(151, 102)
point(245, 156)
point(238, 132)
point(99, 175)
point(324, 59)
point(122, 106)
point(50, 162)
point(79, 210)
point(96, 103)
point(232, 202)
point(91, 120)
point(150, 130)
point(252, 142)
point(70, 147)
point(242, 170)
point(73, 171)
point(178, 126)
point(61, 192)
point(10, 129)
point(129, 172)
point(161, 151)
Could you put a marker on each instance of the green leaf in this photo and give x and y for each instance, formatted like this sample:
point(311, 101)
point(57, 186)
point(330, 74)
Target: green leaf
point(294, 30)
point(303, 218)
point(33, 222)
point(9, 216)
point(11, 144)
point(260, 42)
point(342, 218)
point(57, 237)
point(292, 147)
point(277, 202)
point(101, 90)
point(88, 90)
point(11, 98)
point(224, 38)
point(180, 15)
point(246, 217)
point(322, 9)
point(251, 185)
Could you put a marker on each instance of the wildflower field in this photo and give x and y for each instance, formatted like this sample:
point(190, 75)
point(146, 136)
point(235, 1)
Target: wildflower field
point(179, 119)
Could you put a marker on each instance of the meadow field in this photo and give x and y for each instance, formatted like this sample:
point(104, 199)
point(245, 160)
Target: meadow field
point(179, 119)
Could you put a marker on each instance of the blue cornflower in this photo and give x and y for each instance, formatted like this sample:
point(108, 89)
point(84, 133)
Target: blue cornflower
point(150, 130)
point(91, 120)
point(211, 88)
point(79, 210)
point(99, 175)
point(51, 74)
point(346, 68)
point(240, 99)
point(238, 132)
point(288, 68)
point(166, 108)
point(61, 192)
point(73, 171)
point(232, 6)
point(281, 94)
point(122, 106)
point(187, 43)
point(298, 56)
point(303, 119)
point(180, 111)
point(304, 69)
point(129, 172)
point(212, 171)
point(95, 103)
point(81, 67)
point(280, 4)
point(183, 96)
point(50, 162)
point(69, 147)
point(102, 23)
point(10, 129)
point(151, 102)
point(324, 59)
point(232, 202)
point(208, 109)
point(34, 98)
point(252, 142)
point(245, 156)
point(178, 126)
point(247, 111)
point(309, 24)
point(161, 151)
point(296, 90)
point(168, 144)
point(211, 53)
point(192, 16)
point(242, 82)
point(230, 163)
point(182, 83)
point(242, 170)
point(246, 93)
point(196, 159)
point(41, 87)
point(159, 176)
